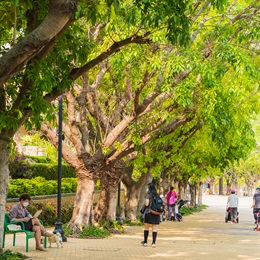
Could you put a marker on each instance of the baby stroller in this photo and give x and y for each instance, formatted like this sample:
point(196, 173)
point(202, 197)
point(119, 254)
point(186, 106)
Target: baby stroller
point(228, 216)
point(178, 214)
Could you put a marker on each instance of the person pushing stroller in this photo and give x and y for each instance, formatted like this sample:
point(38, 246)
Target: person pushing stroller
point(256, 206)
point(232, 203)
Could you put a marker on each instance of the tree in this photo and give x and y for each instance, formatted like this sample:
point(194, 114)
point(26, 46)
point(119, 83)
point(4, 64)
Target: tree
point(30, 48)
point(183, 83)
point(43, 50)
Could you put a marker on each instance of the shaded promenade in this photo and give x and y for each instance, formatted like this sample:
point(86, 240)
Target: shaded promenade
point(203, 235)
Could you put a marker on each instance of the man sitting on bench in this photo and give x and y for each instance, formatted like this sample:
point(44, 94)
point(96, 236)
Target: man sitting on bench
point(19, 213)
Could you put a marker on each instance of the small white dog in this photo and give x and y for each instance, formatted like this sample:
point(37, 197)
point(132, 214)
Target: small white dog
point(56, 238)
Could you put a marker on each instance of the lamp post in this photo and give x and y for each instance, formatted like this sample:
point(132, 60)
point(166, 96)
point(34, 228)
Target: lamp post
point(58, 224)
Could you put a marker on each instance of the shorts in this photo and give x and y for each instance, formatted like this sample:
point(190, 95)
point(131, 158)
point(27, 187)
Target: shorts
point(28, 225)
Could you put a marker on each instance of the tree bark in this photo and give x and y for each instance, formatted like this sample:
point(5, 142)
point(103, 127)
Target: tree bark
point(192, 195)
point(82, 214)
point(135, 193)
point(101, 208)
point(16, 58)
point(182, 190)
point(106, 207)
point(211, 186)
point(228, 188)
point(221, 190)
point(4, 178)
point(111, 212)
point(200, 193)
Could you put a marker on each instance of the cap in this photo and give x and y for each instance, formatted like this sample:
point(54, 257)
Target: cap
point(258, 188)
point(233, 191)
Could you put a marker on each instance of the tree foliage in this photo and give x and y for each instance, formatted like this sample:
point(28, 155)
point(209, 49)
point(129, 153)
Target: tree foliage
point(129, 61)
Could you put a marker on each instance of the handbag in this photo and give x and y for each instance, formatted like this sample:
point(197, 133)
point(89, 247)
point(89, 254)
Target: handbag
point(142, 210)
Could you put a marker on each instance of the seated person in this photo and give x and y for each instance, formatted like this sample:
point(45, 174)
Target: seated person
point(19, 213)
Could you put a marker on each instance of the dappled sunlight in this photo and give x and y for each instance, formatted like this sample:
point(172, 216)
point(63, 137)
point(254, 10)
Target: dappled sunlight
point(182, 239)
point(246, 241)
point(217, 221)
point(248, 257)
point(173, 254)
point(169, 254)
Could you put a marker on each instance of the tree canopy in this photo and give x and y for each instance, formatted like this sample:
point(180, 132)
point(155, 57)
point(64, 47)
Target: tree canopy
point(120, 64)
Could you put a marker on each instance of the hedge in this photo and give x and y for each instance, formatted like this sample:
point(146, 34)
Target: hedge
point(40, 186)
point(49, 171)
point(41, 159)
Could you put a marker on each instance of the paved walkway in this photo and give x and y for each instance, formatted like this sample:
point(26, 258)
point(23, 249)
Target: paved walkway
point(203, 235)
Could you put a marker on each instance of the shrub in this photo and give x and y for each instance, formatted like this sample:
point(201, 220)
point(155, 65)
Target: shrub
point(20, 167)
point(41, 159)
point(89, 232)
point(111, 226)
point(138, 222)
point(9, 255)
point(188, 211)
point(39, 186)
point(66, 211)
point(49, 211)
point(49, 171)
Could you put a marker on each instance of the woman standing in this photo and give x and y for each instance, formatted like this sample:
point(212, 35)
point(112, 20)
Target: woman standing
point(171, 198)
point(149, 218)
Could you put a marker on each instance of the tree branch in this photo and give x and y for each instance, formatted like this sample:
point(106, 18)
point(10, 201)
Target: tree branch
point(25, 50)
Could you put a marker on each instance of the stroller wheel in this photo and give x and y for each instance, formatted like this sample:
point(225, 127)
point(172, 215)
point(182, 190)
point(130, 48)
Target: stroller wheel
point(179, 217)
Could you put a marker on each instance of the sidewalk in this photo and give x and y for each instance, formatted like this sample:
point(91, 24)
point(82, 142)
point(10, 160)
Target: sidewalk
point(204, 235)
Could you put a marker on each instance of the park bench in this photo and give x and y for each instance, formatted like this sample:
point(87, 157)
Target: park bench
point(17, 227)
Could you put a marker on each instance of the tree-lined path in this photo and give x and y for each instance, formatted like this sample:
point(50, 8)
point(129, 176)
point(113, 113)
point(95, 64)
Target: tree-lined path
point(203, 235)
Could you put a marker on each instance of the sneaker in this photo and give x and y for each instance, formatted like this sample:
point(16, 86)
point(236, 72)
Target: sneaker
point(153, 245)
point(143, 243)
point(40, 248)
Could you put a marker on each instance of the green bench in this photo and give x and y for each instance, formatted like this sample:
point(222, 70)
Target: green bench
point(28, 234)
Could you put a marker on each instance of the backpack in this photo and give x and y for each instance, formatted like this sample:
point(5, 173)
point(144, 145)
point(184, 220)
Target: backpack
point(156, 205)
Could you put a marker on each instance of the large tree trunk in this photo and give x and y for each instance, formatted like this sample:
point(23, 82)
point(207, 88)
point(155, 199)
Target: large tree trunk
point(4, 177)
point(221, 190)
point(106, 207)
point(228, 188)
point(131, 203)
point(192, 195)
point(200, 193)
point(211, 186)
point(102, 206)
point(111, 212)
point(182, 190)
point(135, 192)
point(82, 213)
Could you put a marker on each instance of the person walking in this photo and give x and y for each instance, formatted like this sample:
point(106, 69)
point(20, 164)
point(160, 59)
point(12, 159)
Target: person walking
point(233, 204)
point(19, 213)
point(256, 204)
point(150, 220)
point(171, 198)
